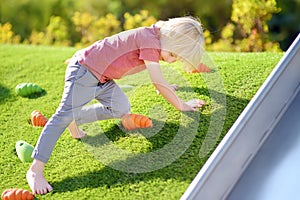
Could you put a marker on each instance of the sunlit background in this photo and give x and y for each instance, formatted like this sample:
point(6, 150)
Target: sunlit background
point(230, 25)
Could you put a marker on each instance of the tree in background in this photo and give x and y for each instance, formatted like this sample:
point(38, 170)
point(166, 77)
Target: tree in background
point(285, 25)
point(92, 28)
point(56, 33)
point(143, 18)
point(29, 18)
point(7, 35)
point(25, 16)
point(248, 29)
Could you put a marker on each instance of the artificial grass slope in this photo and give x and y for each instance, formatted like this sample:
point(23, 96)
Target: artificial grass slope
point(74, 170)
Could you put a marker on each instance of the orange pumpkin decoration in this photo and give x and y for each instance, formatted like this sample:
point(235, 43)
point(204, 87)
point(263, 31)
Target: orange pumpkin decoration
point(16, 194)
point(134, 121)
point(37, 119)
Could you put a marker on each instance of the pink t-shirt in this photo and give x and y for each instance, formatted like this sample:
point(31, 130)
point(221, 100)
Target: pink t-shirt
point(122, 54)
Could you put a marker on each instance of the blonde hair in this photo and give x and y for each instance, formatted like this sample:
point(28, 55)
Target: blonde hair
point(182, 36)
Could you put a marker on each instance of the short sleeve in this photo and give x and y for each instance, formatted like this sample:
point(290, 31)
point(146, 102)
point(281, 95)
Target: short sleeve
point(149, 54)
point(149, 44)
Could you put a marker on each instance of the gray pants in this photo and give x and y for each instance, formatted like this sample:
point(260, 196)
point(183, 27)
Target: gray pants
point(81, 86)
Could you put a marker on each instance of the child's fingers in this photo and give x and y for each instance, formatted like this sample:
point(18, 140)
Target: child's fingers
point(196, 103)
point(174, 87)
point(201, 102)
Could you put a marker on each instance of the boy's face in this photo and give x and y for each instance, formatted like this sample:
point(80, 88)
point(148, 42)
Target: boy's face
point(168, 56)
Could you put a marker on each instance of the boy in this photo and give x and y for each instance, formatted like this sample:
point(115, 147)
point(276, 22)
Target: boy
point(91, 72)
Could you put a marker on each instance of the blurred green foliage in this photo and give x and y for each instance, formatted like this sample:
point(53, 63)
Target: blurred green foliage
point(91, 28)
point(140, 19)
point(87, 29)
point(7, 35)
point(285, 25)
point(248, 30)
point(53, 22)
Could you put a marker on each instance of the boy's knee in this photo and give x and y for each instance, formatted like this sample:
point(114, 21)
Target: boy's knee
point(62, 118)
point(122, 111)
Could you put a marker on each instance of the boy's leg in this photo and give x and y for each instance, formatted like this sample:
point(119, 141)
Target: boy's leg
point(114, 99)
point(80, 88)
point(75, 132)
point(113, 103)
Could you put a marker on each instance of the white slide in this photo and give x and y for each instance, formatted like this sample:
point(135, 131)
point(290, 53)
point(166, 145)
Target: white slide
point(259, 157)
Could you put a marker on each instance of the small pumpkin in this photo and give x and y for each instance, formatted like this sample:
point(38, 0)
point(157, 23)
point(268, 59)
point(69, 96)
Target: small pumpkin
point(16, 194)
point(37, 119)
point(134, 121)
point(27, 89)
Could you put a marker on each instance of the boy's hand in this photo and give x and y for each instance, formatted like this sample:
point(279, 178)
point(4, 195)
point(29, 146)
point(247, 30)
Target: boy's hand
point(192, 105)
point(167, 91)
point(174, 87)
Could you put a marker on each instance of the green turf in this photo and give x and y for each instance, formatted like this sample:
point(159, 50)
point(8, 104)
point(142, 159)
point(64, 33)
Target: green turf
point(111, 163)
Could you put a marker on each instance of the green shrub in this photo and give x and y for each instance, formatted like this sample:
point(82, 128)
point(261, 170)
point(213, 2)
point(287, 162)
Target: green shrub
point(82, 22)
point(140, 19)
point(248, 29)
point(56, 33)
point(35, 38)
point(92, 28)
point(104, 26)
point(88, 27)
point(7, 35)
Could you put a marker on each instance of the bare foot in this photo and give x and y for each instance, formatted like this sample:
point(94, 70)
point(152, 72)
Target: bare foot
point(79, 134)
point(76, 132)
point(36, 179)
point(38, 183)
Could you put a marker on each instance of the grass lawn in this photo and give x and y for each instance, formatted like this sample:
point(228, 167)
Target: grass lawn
point(111, 163)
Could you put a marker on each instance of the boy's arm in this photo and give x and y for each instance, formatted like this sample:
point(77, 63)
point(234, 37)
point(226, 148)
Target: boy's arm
point(167, 92)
